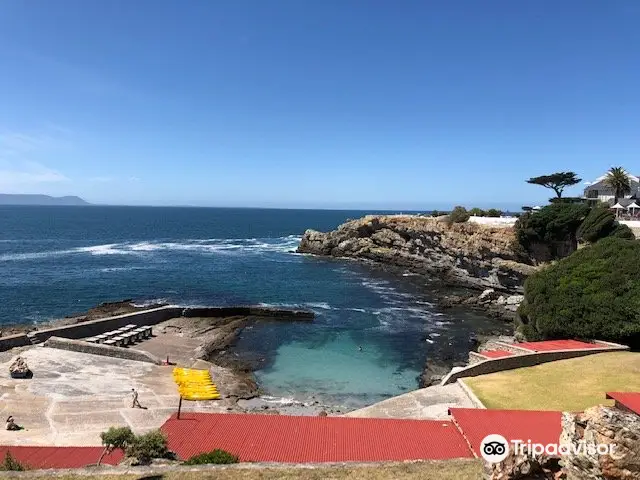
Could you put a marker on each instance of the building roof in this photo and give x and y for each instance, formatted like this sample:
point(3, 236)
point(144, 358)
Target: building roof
point(602, 177)
point(293, 439)
point(629, 400)
point(59, 457)
point(537, 426)
point(551, 345)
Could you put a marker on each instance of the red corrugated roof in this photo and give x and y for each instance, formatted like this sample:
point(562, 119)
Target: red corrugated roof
point(629, 400)
point(496, 353)
point(59, 457)
point(550, 345)
point(279, 438)
point(537, 426)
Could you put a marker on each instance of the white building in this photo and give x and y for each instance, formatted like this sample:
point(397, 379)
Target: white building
point(600, 191)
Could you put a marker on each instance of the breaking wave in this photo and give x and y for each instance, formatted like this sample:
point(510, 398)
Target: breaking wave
point(230, 246)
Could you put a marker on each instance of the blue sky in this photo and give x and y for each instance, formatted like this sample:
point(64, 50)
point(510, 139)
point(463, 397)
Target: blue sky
point(334, 103)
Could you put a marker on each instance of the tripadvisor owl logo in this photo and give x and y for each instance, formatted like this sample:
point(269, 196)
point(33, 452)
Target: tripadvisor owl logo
point(494, 448)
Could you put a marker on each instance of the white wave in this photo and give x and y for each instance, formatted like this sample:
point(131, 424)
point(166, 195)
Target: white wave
point(428, 340)
point(279, 400)
point(120, 269)
point(107, 249)
point(322, 305)
point(286, 244)
point(358, 310)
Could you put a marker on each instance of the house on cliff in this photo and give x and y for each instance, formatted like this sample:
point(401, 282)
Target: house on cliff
point(600, 191)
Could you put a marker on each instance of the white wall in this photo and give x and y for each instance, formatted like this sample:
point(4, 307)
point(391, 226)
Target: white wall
point(497, 221)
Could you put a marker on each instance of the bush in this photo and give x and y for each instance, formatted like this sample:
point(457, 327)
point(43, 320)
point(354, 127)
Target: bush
point(148, 446)
point(216, 456)
point(492, 212)
point(594, 293)
point(11, 464)
point(116, 438)
point(459, 215)
point(622, 231)
point(437, 213)
point(599, 223)
point(477, 212)
point(551, 232)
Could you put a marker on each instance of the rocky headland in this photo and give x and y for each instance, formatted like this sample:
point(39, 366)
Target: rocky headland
point(477, 257)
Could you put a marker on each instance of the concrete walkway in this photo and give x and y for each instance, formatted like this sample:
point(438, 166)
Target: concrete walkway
point(426, 403)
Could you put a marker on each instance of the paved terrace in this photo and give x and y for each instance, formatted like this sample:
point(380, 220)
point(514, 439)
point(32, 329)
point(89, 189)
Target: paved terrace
point(73, 397)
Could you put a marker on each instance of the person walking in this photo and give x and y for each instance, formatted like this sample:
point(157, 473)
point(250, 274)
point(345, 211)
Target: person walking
point(135, 403)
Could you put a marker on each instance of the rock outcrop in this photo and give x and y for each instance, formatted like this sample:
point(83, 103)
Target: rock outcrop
point(465, 254)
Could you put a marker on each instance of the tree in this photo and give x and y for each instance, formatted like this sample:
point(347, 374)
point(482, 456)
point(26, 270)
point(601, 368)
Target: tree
point(116, 438)
point(494, 212)
point(619, 181)
point(556, 181)
point(551, 232)
point(593, 294)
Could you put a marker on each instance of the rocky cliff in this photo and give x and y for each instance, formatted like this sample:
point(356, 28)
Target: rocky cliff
point(464, 254)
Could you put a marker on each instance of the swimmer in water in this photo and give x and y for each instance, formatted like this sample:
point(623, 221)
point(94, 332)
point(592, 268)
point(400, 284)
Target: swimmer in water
point(359, 348)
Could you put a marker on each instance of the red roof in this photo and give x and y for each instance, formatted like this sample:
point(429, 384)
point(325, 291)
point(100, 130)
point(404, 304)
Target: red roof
point(537, 426)
point(629, 400)
point(59, 457)
point(496, 353)
point(289, 439)
point(550, 345)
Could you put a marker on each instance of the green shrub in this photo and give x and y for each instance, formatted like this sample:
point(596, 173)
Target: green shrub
point(599, 223)
point(11, 464)
point(594, 293)
point(116, 438)
point(459, 215)
point(551, 232)
point(437, 213)
point(216, 456)
point(477, 212)
point(622, 231)
point(492, 212)
point(148, 446)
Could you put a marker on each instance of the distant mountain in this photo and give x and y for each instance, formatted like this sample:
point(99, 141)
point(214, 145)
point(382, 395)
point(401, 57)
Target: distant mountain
point(18, 199)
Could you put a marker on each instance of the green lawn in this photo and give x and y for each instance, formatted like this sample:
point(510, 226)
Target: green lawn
point(445, 470)
point(567, 385)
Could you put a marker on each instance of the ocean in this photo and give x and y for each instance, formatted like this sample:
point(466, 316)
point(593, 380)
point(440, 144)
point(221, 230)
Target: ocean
point(372, 333)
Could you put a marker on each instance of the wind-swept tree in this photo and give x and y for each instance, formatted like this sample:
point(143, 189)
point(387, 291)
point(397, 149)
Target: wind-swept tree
point(556, 181)
point(618, 179)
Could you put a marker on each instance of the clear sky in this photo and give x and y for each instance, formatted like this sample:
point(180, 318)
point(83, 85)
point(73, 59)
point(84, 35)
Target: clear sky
point(298, 103)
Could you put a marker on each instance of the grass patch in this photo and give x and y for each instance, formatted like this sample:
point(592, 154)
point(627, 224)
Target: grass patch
point(567, 385)
point(445, 470)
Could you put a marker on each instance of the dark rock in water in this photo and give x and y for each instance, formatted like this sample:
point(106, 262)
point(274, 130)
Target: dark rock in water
point(464, 254)
point(433, 373)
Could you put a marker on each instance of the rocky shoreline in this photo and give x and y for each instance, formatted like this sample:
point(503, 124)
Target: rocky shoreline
point(482, 262)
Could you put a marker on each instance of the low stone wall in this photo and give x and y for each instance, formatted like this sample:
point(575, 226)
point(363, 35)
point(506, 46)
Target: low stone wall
point(13, 341)
point(102, 325)
point(153, 317)
point(100, 349)
point(525, 360)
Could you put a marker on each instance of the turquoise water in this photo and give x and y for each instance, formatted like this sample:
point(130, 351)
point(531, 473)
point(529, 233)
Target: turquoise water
point(55, 261)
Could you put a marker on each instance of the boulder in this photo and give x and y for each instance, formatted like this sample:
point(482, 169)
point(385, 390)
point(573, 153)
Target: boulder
point(19, 368)
point(515, 300)
point(501, 300)
point(488, 295)
point(602, 426)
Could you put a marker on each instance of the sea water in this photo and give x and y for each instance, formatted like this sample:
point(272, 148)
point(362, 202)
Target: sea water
point(372, 333)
